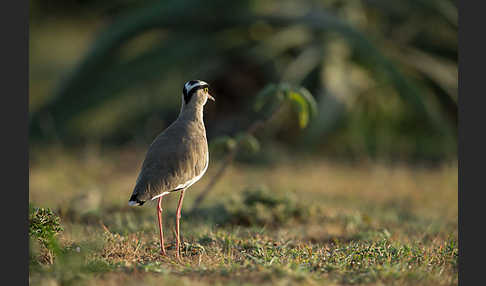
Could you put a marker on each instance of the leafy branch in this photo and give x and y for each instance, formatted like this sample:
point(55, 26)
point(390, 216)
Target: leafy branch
point(268, 102)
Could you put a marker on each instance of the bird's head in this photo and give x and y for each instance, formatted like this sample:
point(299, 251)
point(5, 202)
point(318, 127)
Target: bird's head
point(195, 92)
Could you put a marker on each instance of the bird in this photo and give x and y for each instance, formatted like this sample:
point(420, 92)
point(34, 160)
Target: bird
point(177, 158)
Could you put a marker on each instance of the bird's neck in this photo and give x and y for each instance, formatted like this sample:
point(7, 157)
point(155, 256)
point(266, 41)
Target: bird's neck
point(192, 112)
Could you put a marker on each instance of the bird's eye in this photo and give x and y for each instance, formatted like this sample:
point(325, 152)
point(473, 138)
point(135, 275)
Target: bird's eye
point(205, 90)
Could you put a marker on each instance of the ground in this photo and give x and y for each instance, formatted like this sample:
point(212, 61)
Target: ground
point(302, 222)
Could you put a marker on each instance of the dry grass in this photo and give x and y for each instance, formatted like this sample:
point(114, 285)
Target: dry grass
point(362, 224)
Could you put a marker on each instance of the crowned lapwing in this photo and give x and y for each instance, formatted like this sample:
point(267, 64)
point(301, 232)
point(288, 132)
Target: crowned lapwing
point(177, 158)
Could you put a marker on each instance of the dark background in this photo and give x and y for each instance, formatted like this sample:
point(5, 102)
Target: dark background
point(384, 73)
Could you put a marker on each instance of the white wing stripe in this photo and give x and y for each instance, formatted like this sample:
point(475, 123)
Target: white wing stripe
point(190, 182)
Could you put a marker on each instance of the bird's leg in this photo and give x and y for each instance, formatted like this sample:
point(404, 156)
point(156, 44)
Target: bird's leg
point(178, 217)
point(159, 215)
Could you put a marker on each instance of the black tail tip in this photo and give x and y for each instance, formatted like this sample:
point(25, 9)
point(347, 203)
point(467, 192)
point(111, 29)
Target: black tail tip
point(134, 201)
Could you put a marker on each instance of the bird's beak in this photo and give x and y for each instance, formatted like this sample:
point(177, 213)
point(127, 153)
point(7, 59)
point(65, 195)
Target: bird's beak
point(210, 97)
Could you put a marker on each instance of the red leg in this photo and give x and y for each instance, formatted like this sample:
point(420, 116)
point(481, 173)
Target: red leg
point(159, 214)
point(178, 217)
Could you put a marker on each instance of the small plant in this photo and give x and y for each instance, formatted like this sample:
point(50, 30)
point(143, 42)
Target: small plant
point(44, 226)
point(259, 206)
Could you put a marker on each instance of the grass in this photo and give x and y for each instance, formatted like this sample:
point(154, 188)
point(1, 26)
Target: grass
point(304, 223)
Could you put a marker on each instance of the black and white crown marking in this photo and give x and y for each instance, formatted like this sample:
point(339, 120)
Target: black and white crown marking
point(191, 87)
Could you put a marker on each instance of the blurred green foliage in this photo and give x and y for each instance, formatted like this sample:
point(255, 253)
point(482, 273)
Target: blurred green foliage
point(274, 96)
point(384, 74)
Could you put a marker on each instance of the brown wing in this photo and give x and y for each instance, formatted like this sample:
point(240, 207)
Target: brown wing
point(176, 156)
